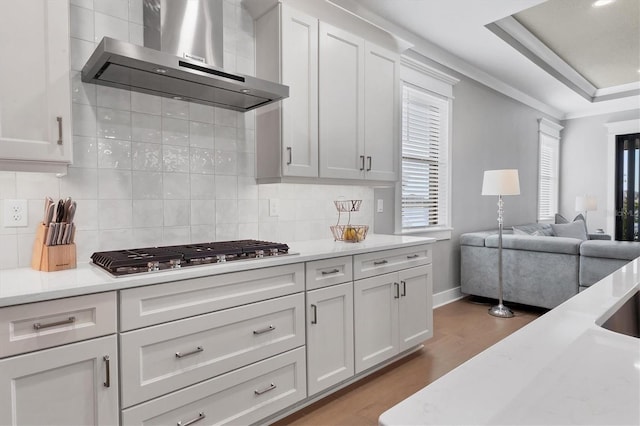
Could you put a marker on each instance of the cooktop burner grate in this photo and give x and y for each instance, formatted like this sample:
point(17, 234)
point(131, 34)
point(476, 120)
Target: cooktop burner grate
point(133, 261)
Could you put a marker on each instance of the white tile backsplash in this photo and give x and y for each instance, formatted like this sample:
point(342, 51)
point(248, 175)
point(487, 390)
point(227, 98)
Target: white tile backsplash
point(151, 171)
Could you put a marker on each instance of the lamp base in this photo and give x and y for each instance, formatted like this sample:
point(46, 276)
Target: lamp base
point(501, 311)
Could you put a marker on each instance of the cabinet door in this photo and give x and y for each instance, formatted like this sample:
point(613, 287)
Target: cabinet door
point(329, 336)
point(300, 109)
point(376, 319)
point(416, 306)
point(61, 386)
point(381, 113)
point(34, 82)
point(341, 97)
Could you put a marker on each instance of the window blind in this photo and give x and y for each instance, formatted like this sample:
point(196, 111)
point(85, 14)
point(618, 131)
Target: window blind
point(423, 159)
point(548, 178)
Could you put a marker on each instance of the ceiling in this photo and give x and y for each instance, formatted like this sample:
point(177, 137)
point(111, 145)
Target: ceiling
point(580, 68)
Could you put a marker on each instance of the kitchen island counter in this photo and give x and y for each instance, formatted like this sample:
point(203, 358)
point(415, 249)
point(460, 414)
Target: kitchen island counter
point(562, 368)
point(25, 285)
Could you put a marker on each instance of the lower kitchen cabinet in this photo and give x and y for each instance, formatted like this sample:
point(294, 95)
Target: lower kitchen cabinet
point(243, 396)
point(329, 336)
point(393, 312)
point(75, 384)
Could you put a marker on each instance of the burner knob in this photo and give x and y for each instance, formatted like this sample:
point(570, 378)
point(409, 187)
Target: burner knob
point(221, 258)
point(174, 263)
point(153, 266)
point(274, 251)
point(259, 253)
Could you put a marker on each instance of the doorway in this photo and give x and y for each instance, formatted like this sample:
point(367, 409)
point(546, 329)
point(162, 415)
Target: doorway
point(627, 181)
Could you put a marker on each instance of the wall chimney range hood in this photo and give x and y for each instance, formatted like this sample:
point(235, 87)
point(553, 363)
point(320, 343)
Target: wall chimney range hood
point(181, 59)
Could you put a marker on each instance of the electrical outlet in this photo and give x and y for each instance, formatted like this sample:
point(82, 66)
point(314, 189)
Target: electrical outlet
point(274, 207)
point(15, 213)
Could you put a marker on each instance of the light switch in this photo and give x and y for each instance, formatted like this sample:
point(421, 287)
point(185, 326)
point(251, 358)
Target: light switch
point(380, 207)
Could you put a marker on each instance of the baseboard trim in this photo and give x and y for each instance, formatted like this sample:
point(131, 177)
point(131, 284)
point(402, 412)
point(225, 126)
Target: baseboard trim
point(447, 296)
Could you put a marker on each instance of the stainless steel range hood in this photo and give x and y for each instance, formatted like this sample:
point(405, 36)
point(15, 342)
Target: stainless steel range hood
point(192, 32)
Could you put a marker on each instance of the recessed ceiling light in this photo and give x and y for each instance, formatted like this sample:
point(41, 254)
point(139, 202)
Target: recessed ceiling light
point(600, 3)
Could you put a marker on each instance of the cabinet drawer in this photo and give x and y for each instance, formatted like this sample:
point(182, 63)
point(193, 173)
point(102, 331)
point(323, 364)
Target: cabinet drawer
point(34, 326)
point(381, 262)
point(244, 396)
point(163, 358)
point(322, 273)
point(143, 306)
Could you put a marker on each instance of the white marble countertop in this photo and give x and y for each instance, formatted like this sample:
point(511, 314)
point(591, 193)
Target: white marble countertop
point(561, 369)
point(25, 285)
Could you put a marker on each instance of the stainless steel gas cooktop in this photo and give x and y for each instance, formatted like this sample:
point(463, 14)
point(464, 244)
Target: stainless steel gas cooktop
point(152, 259)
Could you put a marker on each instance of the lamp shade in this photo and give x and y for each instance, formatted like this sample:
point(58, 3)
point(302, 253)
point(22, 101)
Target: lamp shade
point(501, 182)
point(586, 203)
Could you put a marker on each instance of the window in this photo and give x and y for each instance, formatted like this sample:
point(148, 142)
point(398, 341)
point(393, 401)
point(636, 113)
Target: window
point(424, 167)
point(548, 170)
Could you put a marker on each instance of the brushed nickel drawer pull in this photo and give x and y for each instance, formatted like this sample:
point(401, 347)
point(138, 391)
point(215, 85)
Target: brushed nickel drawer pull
point(264, 330)
point(315, 314)
point(195, 351)
point(192, 421)
point(265, 390)
point(397, 290)
point(381, 262)
point(333, 271)
point(107, 363)
point(413, 256)
point(59, 119)
point(39, 326)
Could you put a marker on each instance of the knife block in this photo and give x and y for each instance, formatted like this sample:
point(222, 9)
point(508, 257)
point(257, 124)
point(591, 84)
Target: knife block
point(51, 258)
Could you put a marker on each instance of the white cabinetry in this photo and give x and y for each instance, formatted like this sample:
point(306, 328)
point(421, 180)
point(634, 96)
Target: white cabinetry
point(35, 97)
point(358, 107)
point(212, 349)
point(381, 113)
point(287, 131)
point(392, 311)
point(329, 336)
point(73, 382)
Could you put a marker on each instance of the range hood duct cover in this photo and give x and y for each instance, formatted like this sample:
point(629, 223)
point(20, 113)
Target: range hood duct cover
point(194, 74)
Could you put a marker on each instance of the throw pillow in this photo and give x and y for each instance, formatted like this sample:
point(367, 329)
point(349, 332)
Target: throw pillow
point(538, 229)
point(570, 230)
point(559, 219)
point(518, 231)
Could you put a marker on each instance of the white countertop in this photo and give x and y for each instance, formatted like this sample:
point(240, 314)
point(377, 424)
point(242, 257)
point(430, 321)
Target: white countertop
point(561, 368)
point(25, 285)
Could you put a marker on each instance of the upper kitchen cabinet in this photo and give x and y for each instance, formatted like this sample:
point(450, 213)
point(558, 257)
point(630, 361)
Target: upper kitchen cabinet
point(358, 107)
point(287, 132)
point(35, 97)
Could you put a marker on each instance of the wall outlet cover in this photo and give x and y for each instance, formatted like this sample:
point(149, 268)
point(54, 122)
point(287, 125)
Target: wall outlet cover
point(15, 213)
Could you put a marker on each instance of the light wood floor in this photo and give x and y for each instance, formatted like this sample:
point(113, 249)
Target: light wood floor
point(462, 329)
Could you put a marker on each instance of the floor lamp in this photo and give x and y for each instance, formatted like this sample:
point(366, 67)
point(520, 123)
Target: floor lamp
point(500, 182)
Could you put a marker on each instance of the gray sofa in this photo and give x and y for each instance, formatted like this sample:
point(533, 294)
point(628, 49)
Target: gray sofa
point(538, 270)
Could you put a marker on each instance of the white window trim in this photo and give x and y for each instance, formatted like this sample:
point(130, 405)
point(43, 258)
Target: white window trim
point(547, 128)
point(439, 84)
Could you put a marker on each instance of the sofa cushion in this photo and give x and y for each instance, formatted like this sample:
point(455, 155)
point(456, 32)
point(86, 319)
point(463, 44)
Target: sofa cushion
point(475, 238)
point(538, 229)
point(570, 230)
point(541, 244)
point(624, 250)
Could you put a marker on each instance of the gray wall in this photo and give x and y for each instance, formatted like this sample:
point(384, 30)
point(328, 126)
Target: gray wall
point(490, 131)
point(583, 165)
